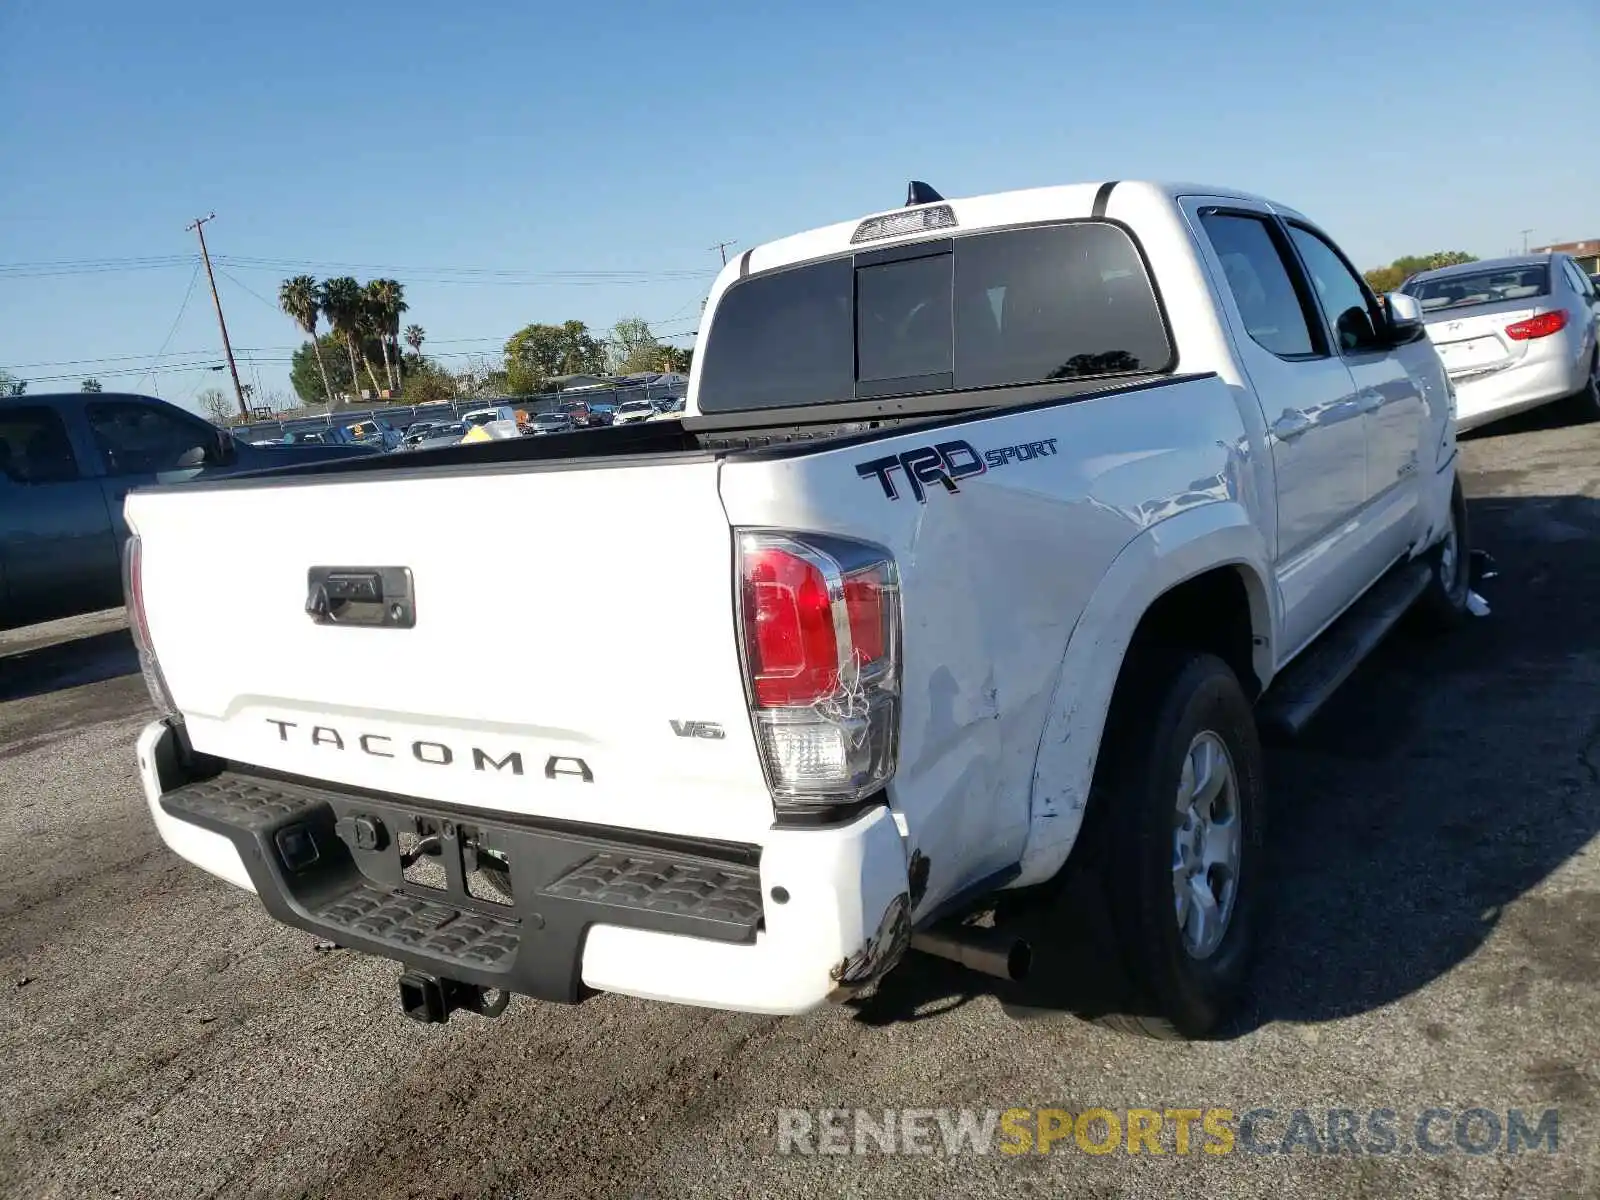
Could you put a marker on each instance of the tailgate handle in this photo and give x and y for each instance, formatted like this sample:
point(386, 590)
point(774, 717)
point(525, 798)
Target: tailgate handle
point(377, 597)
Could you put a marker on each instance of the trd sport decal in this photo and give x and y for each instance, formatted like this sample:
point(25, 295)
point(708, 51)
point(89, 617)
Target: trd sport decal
point(945, 463)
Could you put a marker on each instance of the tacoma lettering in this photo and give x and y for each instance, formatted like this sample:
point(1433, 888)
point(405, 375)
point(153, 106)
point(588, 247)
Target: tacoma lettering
point(441, 754)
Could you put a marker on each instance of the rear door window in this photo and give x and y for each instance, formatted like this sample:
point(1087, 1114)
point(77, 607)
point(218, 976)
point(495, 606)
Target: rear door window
point(1579, 281)
point(982, 310)
point(1274, 313)
point(140, 439)
point(34, 447)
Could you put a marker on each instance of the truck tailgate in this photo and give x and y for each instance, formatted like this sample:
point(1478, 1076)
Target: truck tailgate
point(573, 652)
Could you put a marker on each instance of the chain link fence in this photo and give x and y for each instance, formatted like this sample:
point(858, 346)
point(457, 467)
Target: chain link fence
point(399, 416)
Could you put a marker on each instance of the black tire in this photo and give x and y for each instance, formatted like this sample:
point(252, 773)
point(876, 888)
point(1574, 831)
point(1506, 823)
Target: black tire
point(1583, 405)
point(1444, 604)
point(1122, 872)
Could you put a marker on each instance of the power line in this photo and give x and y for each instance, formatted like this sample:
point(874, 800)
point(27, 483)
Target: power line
point(270, 354)
point(251, 291)
point(94, 266)
point(255, 262)
point(167, 341)
point(722, 249)
point(134, 372)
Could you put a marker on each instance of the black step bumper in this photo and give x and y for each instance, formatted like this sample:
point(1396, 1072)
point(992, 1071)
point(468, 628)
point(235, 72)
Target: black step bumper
point(329, 861)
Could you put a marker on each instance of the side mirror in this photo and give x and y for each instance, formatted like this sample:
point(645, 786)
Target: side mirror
point(1404, 318)
point(225, 449)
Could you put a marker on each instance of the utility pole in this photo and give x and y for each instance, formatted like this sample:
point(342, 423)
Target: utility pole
point(722, 249)
point(227, 347)
point(1525, 234)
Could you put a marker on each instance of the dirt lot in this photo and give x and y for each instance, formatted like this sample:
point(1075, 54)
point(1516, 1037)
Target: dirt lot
point(1435, 941)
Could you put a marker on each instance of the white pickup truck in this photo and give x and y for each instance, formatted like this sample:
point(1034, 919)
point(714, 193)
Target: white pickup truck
point(994, 527)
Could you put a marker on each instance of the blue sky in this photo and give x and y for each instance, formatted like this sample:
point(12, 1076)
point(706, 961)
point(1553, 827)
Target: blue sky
point(434, 140)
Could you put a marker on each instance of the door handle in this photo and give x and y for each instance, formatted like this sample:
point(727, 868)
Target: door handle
point(1291, 425)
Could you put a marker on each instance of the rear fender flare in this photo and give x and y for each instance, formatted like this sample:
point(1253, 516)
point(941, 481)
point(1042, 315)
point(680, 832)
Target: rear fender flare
point(1159, 559)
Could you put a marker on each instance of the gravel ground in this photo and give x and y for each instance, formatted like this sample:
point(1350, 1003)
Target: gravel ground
point(1434, 941)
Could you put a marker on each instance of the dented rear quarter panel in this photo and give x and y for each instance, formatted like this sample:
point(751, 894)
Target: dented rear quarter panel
point(995, 579)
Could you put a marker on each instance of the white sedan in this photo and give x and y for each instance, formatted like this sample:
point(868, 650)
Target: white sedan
point(1514, 334)
point(632, 410)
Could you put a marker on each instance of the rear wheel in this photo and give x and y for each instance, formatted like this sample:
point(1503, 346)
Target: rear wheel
point(1444, 602)
point(1585, 402)
point(1173, 849)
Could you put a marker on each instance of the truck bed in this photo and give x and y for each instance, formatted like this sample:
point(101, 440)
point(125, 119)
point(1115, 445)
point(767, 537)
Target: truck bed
point(778, 431)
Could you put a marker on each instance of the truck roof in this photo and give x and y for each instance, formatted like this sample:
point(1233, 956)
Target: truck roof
point(47, 398)
point(1057, 202)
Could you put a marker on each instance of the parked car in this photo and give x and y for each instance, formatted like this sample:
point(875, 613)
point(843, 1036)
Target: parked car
point(482, 416)
point(553, 422)
point(376, 433)
point(885, 709)
point(1514, 334)
point(416, 432)
point(669, 409)
point(67, 461)
point(633, 410)
point(583, 417)
point(447, 433)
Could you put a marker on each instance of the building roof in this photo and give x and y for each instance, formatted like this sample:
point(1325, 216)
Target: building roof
point(1592, 246)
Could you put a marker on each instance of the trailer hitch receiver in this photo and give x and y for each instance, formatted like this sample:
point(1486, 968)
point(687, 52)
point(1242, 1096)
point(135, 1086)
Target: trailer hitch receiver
point(429, 999)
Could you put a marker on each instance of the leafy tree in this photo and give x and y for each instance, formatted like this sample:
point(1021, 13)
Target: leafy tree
point(10, 385)
point(91, 385)
point(520, 380)
point(414, 336)
point(541, 351)
point(428, 383)
point(632, 348)
point(215, 404)
point(301, 300)
point(481, 377)
point(385, 302)
point(311, 383)
point(1387, 279)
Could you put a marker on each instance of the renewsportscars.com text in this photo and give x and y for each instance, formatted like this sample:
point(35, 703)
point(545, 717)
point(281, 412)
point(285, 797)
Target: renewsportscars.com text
point(1475, 1130)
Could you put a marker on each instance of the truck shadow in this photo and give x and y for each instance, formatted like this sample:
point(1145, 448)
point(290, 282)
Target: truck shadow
point(40, 670)
point(1449, 777)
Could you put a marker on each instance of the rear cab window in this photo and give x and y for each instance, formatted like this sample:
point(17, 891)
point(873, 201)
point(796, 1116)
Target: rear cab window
point(1521, 282)
point(1015, 306)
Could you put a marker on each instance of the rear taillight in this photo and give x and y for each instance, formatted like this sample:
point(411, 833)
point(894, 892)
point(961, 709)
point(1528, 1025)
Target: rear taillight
point(133, 596)
point(1537, 327)
point(820, 619)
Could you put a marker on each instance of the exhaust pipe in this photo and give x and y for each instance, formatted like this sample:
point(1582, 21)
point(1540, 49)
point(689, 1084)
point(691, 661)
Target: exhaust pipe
point(984, 950)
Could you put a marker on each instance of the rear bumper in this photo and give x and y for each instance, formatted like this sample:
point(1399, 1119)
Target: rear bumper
point(1529, 384)
point(592, 908)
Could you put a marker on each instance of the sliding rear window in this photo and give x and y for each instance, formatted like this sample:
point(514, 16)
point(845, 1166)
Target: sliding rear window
point(982, 310)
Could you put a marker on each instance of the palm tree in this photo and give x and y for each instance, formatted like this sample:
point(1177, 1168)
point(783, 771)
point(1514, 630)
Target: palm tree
point(387, 299)
point(341, 301)
point(414, 337)
point(299, 298)
point(371, 327)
